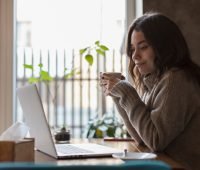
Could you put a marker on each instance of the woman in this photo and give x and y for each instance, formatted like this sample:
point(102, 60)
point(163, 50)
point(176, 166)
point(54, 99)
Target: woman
point(162, 107)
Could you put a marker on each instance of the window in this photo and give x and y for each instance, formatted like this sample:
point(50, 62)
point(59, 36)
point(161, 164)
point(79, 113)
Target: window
point(70, 23)
point(51, 32)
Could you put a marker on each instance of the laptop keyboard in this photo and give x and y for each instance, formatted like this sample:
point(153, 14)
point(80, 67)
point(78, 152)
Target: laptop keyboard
point(69, 149)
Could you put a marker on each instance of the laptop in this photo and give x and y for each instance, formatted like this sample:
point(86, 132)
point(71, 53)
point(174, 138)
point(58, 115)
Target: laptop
point(35, 118)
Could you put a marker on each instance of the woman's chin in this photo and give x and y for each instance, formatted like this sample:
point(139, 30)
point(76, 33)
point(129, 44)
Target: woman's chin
point(142, 72)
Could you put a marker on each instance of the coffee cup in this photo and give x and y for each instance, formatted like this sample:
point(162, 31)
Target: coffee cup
point(113, 74)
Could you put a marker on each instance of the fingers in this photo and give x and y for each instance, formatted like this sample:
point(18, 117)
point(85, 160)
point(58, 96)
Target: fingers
point(106, 91)
point(103, 82)
point(108, 81)
point(105, 86)
point(101, 76)
point(105, 76)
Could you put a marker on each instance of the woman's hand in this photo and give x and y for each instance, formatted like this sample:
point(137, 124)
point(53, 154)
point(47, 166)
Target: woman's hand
point(108, 81)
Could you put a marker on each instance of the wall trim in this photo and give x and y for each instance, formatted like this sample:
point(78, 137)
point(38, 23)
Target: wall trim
point(6, 63)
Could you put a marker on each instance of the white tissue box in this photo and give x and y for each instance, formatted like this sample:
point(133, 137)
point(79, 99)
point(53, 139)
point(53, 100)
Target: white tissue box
point(22, 150)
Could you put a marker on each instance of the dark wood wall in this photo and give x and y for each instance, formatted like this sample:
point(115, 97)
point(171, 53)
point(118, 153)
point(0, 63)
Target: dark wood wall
point(186, 13)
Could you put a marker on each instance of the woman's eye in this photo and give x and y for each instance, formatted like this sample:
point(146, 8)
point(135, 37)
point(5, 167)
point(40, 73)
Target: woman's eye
point(144, 47)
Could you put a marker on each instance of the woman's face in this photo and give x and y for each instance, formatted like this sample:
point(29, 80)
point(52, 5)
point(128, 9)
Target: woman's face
point(143, 54)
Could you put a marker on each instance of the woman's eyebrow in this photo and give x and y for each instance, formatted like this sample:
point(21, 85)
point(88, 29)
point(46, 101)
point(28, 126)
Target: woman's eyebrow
point(142, 41)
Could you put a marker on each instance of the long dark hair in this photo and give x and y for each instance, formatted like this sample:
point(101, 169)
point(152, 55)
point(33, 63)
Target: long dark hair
point(168, 43)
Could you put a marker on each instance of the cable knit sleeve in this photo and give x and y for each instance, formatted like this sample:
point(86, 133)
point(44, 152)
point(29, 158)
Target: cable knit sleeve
point(127, 123)
point(165, 120)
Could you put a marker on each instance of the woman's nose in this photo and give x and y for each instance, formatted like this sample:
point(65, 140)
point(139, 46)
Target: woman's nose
point(135, 55)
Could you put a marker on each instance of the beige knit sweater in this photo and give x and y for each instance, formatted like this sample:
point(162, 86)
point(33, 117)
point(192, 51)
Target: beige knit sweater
point(166, 118)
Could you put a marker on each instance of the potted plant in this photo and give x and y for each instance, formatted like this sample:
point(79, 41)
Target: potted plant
point(106, 126)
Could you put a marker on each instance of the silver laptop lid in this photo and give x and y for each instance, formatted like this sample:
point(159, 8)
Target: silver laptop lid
point(35, 118)
point(39, 129)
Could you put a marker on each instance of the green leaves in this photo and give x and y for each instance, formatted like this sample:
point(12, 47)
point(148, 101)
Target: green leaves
point(82, 51)
point(106, 126)
point(100, 49)
point(103, 47)
point(27, 66)
point(33, 80)
point(71, 73)
point(89, 59)
point(86, 52)
point(44, 76)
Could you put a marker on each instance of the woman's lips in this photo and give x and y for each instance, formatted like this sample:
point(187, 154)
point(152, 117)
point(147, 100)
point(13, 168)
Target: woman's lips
point(139, 64)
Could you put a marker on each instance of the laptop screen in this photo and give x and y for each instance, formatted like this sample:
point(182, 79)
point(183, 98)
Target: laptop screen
point(35, 118)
